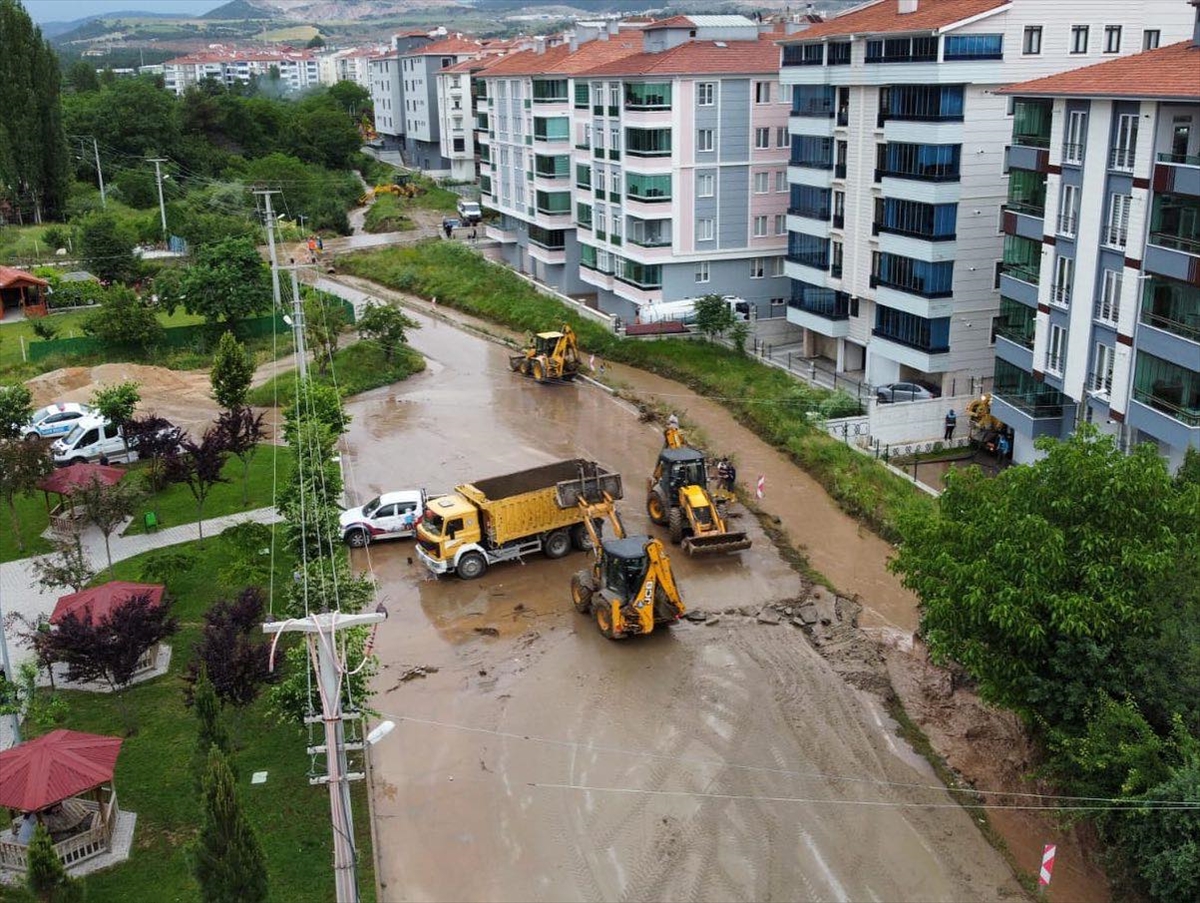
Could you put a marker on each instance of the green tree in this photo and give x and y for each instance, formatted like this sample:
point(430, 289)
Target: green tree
point(22, 465)
point(228, 282)
point(315, 42)
point(210, 730)
point(349, 97)
point(106, 244)
point(385, 325)
point(227, 859)
point(327, 137)
point(232, 371)
point(16, 410)
point(107, 507)
point(324, 323)
point(714, 315)
point(738, 334)
point(116, 404)
point(36, 708)
point(123, 321)
point(81, 77)
point(1162, 844)
point(321, 402)
point(130, 117)
point(1040, 580)
point(45, 877)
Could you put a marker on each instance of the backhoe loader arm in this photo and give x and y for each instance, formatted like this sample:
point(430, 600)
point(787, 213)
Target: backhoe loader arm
point(673, 437)
point(604, 510)
point(660, 570)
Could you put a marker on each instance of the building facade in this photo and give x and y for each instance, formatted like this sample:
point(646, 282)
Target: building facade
point(387, 88)
point(296, 70)
point(455, 105)
point(643, 165)
point(419, 68)
point(897, 169)
point(1100, 286)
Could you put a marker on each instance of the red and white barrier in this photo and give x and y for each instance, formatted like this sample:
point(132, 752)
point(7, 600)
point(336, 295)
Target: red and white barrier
point(1048, 853)
point(761, 488)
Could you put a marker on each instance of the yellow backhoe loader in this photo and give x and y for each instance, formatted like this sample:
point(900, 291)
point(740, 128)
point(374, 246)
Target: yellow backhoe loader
point(629, 589)
point(549, 356)
point(678, 498)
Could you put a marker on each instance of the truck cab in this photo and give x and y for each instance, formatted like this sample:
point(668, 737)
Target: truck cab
point(449, 525)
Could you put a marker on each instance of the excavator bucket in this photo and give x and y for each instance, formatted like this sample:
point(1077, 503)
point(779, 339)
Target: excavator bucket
point(715, 544)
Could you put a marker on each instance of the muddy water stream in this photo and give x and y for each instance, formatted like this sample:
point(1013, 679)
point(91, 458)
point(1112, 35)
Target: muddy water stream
point(535, 760)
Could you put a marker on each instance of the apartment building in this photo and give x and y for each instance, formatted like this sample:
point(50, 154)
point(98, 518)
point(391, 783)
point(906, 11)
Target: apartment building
point(643, 165)
point(1100, 286)
point(897, 169)
point(350, 64)
point(297, 70)
point(421, 142)
point(387, 87)
point(455, 104)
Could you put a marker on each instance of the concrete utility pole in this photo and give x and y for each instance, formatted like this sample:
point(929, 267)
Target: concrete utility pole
point(162, 207)
point(100, 177)
point(298, 324)
point(11, 677)
point(270, 217)
point(321, 636)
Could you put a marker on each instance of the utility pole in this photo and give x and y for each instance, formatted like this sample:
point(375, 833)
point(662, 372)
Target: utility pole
point(100, 176)
point(162, 207)
point(11, 677)
point(302, 219)
point(270, 217)
point(321, 636)
point(298, 324)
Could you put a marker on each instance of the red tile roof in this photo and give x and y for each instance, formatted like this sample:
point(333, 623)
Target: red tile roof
point(561, 61)
point(673, 22)
point(39, 773)
point(884, 16)
point(10, 276)
point(699, 58)
point(100, 602)
point(1168, 73)
point(446, 46)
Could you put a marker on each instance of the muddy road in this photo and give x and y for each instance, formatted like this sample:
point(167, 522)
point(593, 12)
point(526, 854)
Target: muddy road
point(535, 760)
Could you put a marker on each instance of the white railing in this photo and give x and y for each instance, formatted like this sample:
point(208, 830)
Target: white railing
point(92, 842)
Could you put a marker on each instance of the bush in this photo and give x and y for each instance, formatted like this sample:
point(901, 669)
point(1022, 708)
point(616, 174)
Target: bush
point(107, 244)
point(124, 321)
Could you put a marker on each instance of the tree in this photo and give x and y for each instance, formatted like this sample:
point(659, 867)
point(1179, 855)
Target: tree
point(210, 731)
point(228, 282)
point(324, 322)
point(45, 876)
point(315, 42)
point(116, 404)
point(22, 465)
point(232, 653)
point(125, 321)
point(16, 410)
point(738, 334)
point(22, 697)
point(1041, 581)
point(384, 325)
point(326, 137)
point(156, 439)
point(1162, 843)
point(107, 507)
point(322, 403)
point(67, 566)
point(241, 432)
point(81, 76)
point(349, 97)
point(714, 315)
point(199, 466)
point(232, 371)
point(227, 859)
point(106, 244)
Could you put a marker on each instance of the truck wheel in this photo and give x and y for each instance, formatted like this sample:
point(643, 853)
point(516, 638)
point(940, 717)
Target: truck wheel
point(675, 525)
point(538, 371)
point(471, 565)
point(557, 544)
point(514, 362)
point(78, 461)
point(603, 613)
point(356, 539)
point(580, 538)
point(581, 592)
point(523, 367)
point(656, 507)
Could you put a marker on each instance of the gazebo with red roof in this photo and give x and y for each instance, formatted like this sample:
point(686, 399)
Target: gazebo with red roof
point(98, 602)
point(23, 291)
point(65, 482)
point(63, 779)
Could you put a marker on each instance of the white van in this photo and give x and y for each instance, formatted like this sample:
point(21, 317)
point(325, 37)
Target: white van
point(685, 310)
point(469, 212)
point(92, 438)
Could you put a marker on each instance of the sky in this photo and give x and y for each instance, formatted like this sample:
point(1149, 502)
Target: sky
point(69, 10)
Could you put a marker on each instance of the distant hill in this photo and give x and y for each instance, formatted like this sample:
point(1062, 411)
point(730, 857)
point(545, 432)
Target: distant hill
point(52, 30)
point(240, 9)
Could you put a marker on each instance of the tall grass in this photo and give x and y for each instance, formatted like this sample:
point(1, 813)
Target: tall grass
point(764, 399)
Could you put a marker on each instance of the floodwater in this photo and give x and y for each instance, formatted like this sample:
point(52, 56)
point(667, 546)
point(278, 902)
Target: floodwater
point(535, 760)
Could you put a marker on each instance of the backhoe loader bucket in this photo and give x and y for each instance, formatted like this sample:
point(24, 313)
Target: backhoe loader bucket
point(715, 544)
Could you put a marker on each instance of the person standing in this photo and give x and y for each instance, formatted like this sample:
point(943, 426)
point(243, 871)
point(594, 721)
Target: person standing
point(730, 475)
point(951, 423)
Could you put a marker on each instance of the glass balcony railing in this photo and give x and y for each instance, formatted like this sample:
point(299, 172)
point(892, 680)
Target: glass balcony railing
point(1173, 306)
point(1180, 159)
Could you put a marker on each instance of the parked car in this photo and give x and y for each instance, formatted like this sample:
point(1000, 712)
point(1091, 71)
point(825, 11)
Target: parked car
point(92, 439)
point(55, 420)
point(393, 515)
point(469, 212)
point(902, 392)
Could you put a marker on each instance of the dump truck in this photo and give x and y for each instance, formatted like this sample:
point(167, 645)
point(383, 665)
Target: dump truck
point(629, 589)
point(509, 517)
point(678, 498)
point(549, 356)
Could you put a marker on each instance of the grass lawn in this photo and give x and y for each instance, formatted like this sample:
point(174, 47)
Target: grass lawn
point(153, 775)
point(387, 215)
point(174, 505)
point(31, 511)
point(358, 367)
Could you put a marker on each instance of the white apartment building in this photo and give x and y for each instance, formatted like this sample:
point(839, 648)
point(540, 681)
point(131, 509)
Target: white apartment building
point(1100, 286)
point(898, 169)
point(421, 142)
point(297, 70)
point(455, 104)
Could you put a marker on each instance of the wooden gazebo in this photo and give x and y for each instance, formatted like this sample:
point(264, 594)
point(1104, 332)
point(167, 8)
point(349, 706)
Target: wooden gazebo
point(23, 291)
point(99, 602)
point(66, 481)
point(64, 780)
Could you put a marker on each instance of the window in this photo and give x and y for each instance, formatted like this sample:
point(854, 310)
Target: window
point(615, 139)
point(1064, 277)
point(601, 222)
point(705, 228)
point(648, 142)
point(781, 180)
point(1056, 353)
point(1117, 231)
point(1125, 151)
point(760, 227)
point(781, 136)
point(916, 277)
point(656, 96)
point(996, 274)
point(1167, 387)
point(647, 188)
point(762, 182)
point(1150, 38)
point(601, 180)
point(706, 93)
point(930, 336)
point(1068, 210)
point(902, 50)
point(705, 185)
point(1102, 369)
point(1112, 38)
point(704, 140)
point(1031, 45)
point(762, 92)
point(921, 103)
point(933, 222)
point(702, 271)
point(1079, 39)
point(1108, 305)
point(780, 224)
point(974, 47)
point(839, 53)
point(776, 267)
point(1076, 136)
point(757, 268)
point(762, 138)
point(928, 162)
point(614, 96)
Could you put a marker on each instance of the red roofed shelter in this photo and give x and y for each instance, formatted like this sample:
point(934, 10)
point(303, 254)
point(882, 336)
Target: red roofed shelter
point(99, 602)
point(66, 481)
point(46, 780)
point(22, 291)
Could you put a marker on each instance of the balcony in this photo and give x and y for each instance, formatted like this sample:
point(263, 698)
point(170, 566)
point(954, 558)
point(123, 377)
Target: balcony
point(1022, 271)
point(1072, 154)
point(902, 50)
point(1168, 388)
point(1060, 296)
point(1016, 323)
point(1175, 223)
point(803, 54)
point(1177, 174)
point(1031, 123)
point(1172, 306)
point(1121, 159)
point(823, 310)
